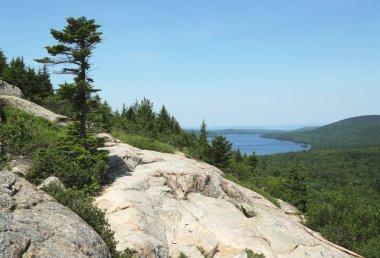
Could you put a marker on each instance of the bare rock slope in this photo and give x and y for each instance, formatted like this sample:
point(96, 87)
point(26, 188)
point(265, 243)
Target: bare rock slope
point(11, 95)
point(31, 108)
point(33, 224)
point(164, 204)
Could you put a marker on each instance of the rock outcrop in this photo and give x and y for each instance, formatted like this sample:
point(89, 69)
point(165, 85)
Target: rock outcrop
point(31, 108)
point(9, 90)
point(51, 180)
point(163, 204)
point(33, 224)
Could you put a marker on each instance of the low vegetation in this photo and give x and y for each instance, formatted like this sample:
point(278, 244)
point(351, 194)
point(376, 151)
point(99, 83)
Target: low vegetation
point(251, 254)
point(75, 161)
point(144, 143)
point(24, 133)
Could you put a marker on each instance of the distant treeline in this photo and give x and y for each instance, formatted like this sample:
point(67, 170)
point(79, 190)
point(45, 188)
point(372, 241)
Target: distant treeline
point(35, 84)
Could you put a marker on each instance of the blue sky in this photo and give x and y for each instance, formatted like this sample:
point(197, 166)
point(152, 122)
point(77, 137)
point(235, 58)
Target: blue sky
point(234, 63)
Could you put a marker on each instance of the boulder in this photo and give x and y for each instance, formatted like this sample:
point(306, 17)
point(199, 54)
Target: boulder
point(9, 90)
point(163, 204)
point(33, 224)
point(51, 180)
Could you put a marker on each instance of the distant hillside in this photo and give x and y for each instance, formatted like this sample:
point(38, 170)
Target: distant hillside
point(243, 131)
point(351, 132)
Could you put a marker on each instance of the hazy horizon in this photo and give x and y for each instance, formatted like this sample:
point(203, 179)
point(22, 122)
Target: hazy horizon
point(247, 63)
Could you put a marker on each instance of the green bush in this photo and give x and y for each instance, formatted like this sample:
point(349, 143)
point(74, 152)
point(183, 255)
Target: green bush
point(251, 254)
point(76, 162)
point(144, 142)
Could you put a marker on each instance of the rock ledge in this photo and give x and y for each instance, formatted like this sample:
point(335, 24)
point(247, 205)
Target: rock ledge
point(162, 204)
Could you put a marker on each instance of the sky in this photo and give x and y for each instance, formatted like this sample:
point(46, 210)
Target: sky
point(236, 64)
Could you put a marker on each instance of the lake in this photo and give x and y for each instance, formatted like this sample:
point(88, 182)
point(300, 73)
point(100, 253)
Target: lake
point(262, 146)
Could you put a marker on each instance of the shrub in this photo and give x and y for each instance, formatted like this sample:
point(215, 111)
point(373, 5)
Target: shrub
point(76, 162)
point(251, 254)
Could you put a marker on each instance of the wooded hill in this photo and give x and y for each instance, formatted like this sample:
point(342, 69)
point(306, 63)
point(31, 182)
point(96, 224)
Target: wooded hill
point(351, 132)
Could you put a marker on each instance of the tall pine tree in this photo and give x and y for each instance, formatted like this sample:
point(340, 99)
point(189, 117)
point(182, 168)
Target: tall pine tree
point(203, 144)
point(296, 183)
point(220, 151)
point(76, 42)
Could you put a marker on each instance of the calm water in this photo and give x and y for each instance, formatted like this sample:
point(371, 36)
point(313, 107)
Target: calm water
point(262, 146)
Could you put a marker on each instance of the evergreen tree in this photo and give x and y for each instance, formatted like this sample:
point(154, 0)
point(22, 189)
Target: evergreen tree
point(3, 63)
point(253, 160)
point(124, 110)
point(175, 126)
point(220, 151)
point(34, 86)
point(145, 116)
point(130, 114)
point(76, 42)
point(45, 88)
point(163, 122)
point(15, 73)
point(203, 144)
point(99, 115)
point(296, 183)
point(238, 156)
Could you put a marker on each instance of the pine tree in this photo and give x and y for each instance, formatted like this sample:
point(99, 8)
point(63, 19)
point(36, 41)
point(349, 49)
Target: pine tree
point(296, 183)
point(163, 122)
point(253, 160)
point(220, 151)
point(175, 126)
point(99, 115)
point(238, 156)
point(34, 86)
point(15, 73)
point(145, 116)
point(3, 63)
point(45, 88)
point(76, 42)
point(203, 144)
